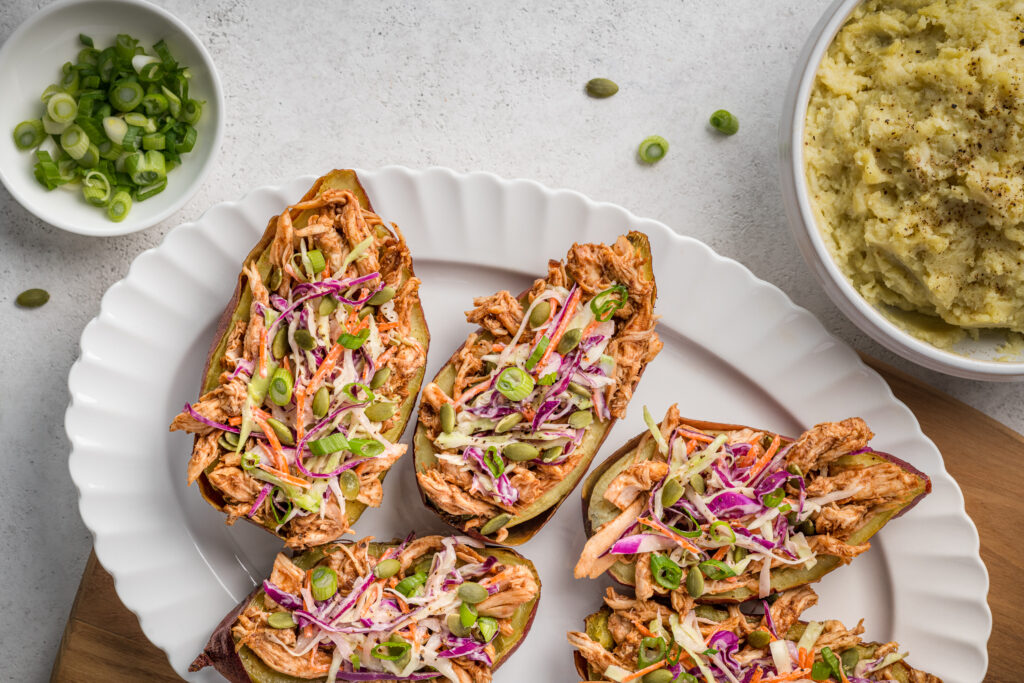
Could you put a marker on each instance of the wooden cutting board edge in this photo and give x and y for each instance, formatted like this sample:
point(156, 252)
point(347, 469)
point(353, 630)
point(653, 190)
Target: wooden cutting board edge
point(103, 640)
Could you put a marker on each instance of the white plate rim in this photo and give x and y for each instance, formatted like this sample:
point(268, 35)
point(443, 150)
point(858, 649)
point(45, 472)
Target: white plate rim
point(87, 484)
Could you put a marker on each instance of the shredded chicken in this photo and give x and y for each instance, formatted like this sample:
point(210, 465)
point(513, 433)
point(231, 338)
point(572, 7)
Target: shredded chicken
point(829, 545)
point(594, 268)
point(822, 444)
point(593, 562)
point(881, 483)
point(310, 530)
point(634, 480)
point(790, 605)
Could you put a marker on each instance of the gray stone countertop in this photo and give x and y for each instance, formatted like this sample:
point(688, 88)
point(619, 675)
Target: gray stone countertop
point(495, 86)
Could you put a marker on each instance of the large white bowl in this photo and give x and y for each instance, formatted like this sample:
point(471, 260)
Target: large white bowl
point(972, 359)
point(31, 59)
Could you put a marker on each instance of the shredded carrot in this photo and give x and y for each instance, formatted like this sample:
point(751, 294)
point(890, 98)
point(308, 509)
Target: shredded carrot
point(300, 408)
point(235, 421)
point(643, 629)
point(280, 462)
point(384, 357)
point(384, 327)
point(285, 363)
point(691, 446)
point(567, 313)
point(720, 553)
point(643, 672)
point(472, 391)
point(756, 678)
point(671, 534)
point(801, 657)
point(285, 477)
point(307, 584)
point(767, 457)
point(263, 352)
point(497, 348)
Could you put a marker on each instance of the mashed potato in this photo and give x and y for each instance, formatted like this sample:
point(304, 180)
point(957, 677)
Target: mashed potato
point(914, 152)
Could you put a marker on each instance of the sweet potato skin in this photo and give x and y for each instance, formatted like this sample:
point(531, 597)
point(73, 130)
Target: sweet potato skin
point(220, 651)
point(630, 446)
point(213, 368)
point(523, 532)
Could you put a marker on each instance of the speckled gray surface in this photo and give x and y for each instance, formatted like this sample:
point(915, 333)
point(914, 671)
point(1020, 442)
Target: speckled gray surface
point(474, 86)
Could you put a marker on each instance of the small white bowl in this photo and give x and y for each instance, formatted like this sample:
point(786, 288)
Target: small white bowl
point(971, 359)
point(31, 59)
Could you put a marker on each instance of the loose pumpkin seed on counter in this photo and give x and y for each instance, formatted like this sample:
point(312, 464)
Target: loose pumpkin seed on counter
point(32, 298)
point(601, 88)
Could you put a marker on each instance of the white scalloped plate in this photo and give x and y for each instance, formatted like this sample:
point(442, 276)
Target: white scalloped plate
point(736, 350)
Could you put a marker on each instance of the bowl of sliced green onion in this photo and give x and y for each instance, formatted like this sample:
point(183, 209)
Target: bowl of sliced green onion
point(113, 114)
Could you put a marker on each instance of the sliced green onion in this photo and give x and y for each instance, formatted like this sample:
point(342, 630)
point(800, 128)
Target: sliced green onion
point(93, 129)
point(323, 583)
point(651, 650)
point(125, 47)
point(467, 615)
point(188, 141)
point(106, 64)
point(833, 662)
point(132, 138)
point(126, 95)
point(97, 196)
point(281, 387)
point(116, 128)
point(119, 206)
point(329, 444)
point(146, 168)
point(665, 572)
point(109, 150)
point(538, 352)
point(724, 122)
point(716, 570)
point(191, 110)
point(488, 627)
point(90, 158)
point(173, 101)
point(137, 119)
point(411, 585)
point(365, 448)
point(315, 256)
point(154, 141)
point(70, 82)
point(88, 55)
point(74, 141)
point(350, 389)
point(605, 304)
point(392, 650)
point(154, 104)
point(653, 149)
point(50, 91)
point(85, 40)
point(164, 54)
point(774, 498)
point(514, 384)
point(721, 532)
point(144, 193)
point(354, 341)
point(29, 134)
point(62, 108)
point(495, 463)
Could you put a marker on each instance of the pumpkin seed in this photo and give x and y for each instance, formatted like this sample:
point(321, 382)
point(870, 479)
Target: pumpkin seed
point(380, 378)
point(305, 340)
point(328, 304)
point(274, 281)
point(281, 620)
point(540, 314)
point(807, 528)
point(581, 419)
point(850, 658)
point(496, 523)
point(454, 622)
point(321, 401)
point(579, 390)
point(380, 411)
point(225, 442)
point(520, 452)
point(659, 676)
point(472, 592)
point(349, 482)
point(366, 311)
point(569, 341)
point(672, 492)
point(601, 88)
point(284, 435)
point(697, 482)
point(553, 453)
point(695, 582)
point(280, 346)
point(32, 298)
point(385, 569)
point(382, 297)
point(447, 418)
point(508, 422)
point(759, 639)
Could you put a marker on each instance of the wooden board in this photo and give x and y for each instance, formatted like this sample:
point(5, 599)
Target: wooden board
point(103, 641)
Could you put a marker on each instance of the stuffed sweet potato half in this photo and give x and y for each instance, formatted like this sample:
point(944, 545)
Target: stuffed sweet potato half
point(511, 423)
point(431, 609)
point(707, 644)
point(313, 371)
point(724, 512)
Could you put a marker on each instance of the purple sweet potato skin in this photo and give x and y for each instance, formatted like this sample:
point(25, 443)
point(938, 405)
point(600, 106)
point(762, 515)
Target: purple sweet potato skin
point(220, 649)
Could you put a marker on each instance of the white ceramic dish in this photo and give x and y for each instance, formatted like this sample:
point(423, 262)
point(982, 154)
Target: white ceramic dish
point(181, 569)
point(972, 359)
point(31, 59)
